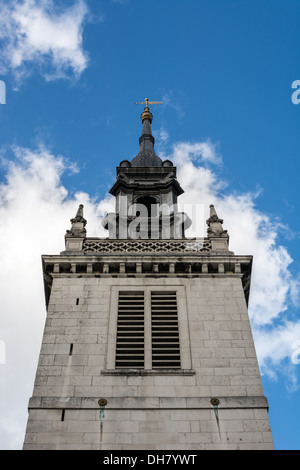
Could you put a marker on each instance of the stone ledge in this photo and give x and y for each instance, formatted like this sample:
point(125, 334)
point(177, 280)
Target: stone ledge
point(147, 372)
point(148, 403)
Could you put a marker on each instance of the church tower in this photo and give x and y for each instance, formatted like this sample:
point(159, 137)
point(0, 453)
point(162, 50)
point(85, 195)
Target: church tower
point(147, 343)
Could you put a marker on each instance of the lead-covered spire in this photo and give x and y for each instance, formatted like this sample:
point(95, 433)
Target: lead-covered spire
point(146, 156)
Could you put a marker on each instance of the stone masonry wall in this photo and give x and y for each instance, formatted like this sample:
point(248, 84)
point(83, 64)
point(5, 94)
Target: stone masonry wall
point(153, 410)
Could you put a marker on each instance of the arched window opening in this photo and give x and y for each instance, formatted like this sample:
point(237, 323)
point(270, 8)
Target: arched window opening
point(150, 204)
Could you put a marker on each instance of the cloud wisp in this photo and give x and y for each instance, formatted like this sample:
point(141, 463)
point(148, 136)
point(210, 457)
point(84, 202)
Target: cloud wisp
point(44, 36)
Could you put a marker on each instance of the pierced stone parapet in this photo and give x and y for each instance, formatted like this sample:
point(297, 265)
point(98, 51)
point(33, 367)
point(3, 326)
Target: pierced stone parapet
point(146, 246)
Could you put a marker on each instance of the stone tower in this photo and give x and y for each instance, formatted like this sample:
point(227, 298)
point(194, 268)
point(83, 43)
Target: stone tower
point(147, 343)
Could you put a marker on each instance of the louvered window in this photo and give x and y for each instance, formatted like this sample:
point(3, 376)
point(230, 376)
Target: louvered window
point(165, 334)
point(151, 319)
point(130, 330)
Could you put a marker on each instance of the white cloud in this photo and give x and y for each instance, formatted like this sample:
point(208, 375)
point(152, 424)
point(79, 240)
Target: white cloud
point(251, 231)
point(273, 288)
point(276, 347)
point(35, 211)
point(40, 33)
point(195, 152)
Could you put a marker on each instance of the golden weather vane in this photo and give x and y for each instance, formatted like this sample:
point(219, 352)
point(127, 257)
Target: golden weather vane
point(147, 102)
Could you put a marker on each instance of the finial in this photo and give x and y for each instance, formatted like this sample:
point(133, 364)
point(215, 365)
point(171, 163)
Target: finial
point(146, 114)
point(215, 228)
point(78, 224)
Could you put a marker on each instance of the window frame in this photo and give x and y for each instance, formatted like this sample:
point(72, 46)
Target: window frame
point(183, 328)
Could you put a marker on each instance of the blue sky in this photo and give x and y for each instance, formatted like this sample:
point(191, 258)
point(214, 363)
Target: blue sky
point(224, 69)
